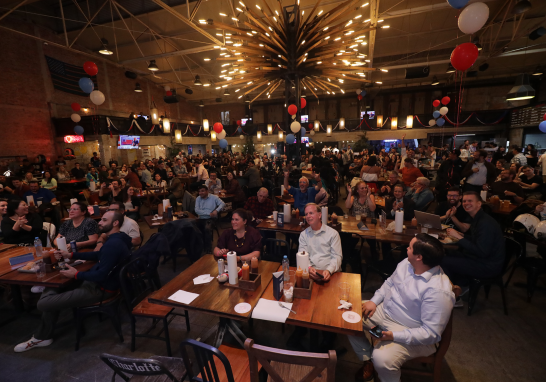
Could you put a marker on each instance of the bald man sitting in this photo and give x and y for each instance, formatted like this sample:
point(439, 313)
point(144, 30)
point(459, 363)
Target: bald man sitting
point(260, 206)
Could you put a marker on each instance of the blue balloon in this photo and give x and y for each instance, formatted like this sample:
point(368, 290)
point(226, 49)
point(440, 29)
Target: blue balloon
point(363, 93)
point(303, 131)
point(440, 122)
point(223, 143)
point(542, 126)
point(290, 138)
point(457, 4)
point(78, 130)
point(86, 85)
point(436, 114)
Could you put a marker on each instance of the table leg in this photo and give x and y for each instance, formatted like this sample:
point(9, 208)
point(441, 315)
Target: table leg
point(219, 332)
point(237, 333)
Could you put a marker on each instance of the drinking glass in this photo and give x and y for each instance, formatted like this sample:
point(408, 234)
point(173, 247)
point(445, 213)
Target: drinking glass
point(344, 291)
point(40, 271)
point(357, 217)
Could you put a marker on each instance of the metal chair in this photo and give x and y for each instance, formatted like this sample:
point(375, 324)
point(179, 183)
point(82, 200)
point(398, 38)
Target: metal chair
point(138, 281)
point(205, 356)
point(148, 368)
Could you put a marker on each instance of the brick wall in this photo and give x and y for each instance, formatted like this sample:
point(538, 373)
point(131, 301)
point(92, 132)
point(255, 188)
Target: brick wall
point(28, 100)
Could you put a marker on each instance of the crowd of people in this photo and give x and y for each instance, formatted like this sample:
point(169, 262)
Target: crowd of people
point(413, 305)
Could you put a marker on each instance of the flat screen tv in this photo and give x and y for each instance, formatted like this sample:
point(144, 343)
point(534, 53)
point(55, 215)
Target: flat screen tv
point(128, 142)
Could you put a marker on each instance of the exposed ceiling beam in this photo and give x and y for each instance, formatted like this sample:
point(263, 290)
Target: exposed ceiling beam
point(199, 49)
point(374, 13)
point(427, 8)
point(13, 9)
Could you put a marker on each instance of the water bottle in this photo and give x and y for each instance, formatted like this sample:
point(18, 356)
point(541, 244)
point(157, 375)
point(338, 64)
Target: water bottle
point(38, 246)
point(286, 269)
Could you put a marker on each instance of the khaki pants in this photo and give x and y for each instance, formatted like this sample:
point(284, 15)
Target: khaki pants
point(387, 356)
point(52, 302)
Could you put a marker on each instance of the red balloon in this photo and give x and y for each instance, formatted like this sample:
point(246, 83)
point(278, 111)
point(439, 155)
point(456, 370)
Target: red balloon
point(436, 103)
point(544, 116)
point(169, 93)
point(238, 122)
point(464, 56)
point(90, 68)
point(359, 97)
point(75, 106)
point(292, 109)
point(445, 100)
point(303, 102)
point(218, 127)
point(310, 125)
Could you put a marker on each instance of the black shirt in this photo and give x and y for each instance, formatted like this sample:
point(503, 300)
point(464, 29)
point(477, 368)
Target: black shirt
point(498, 189)
point(535, 179)
point(461, 214)
point(78, 173)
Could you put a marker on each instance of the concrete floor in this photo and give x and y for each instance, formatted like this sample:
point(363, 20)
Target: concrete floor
point(488, 346)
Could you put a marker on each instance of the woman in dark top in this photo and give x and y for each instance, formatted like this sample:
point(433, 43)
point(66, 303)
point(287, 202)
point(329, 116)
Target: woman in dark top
point(242, 238)
point(79, 227)
point(20, 227)
point(132, 203)
point(233, 167)
point(233, 187)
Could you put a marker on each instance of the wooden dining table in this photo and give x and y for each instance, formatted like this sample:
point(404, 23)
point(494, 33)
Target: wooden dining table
point(321, 310)
point(215, 298)
point(153, 224)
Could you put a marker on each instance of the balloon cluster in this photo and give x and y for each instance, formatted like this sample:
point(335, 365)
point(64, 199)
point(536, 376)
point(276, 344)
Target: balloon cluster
point(168, 91)
point(87, 86)
point(471, 20)
point(439, 114)
point(542, 125)
point(360, 94)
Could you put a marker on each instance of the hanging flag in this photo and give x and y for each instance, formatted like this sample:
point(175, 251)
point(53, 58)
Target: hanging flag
point(66, 77)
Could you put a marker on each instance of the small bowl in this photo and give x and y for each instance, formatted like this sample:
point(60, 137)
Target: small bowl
point(222, 278)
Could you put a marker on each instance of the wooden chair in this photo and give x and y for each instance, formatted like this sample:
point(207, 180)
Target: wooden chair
point(435, 359)
point(172, 368)
point(284, 365)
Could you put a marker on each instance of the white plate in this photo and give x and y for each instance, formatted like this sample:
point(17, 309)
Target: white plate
point(242, 307)
point(351, 317)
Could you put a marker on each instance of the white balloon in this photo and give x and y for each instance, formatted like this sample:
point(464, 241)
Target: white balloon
point(221, 134)
point(473, 18)
point(167, 88)
point(444, 110)
point(312, 132)
point(432, 122)
point(358, 91)
point(241, 137)
point(295, 127)
point(97, 97)
point(75, 117)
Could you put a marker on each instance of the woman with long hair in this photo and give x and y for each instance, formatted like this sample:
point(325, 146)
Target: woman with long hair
point(131, 202)
point(123, 171)
point(19, 226)
point(63, 174)
point(49, 182)
point(242, 238)
point(370, 171)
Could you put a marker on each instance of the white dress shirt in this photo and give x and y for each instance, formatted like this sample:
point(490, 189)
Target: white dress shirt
point(324, 248)
point(422, 303)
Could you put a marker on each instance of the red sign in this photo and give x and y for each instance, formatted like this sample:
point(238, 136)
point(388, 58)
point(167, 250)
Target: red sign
point(73, 138)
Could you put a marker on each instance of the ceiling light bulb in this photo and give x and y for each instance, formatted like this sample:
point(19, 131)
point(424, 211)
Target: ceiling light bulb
point(223, 14)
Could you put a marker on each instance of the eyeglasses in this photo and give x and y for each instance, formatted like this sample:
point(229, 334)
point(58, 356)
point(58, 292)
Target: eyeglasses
point(452, 196)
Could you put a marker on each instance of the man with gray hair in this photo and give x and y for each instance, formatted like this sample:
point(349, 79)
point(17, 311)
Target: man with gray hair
point(260, 206)
point(302, 195)
point(420, 193)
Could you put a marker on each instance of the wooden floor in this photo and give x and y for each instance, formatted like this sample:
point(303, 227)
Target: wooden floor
point(486, 347)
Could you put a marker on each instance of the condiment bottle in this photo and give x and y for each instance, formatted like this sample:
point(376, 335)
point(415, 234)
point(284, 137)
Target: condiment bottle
point(246, 271)
point(299, 280)
point(254, 265)
point(297, 214)
point(305, 279)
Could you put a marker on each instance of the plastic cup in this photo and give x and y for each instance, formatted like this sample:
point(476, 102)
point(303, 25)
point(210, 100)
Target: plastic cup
point(344, 291)
point(40, 271)
point(275, 216)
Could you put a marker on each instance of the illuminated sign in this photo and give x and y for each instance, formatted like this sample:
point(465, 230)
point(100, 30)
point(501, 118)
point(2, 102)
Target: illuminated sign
point(73, 138)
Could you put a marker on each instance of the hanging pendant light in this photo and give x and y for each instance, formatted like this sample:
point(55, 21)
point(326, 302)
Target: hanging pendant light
point(259, 136)
point(409, 122)
point(153, 67)
point(166, 124)
point(154, 113)
point(316, 125)
point(104, 50)
point(328, 130)
point(213, 136)
point(205, 125)
point(450, 69)
point(269, 129)
point(521, 7)
point(247, 99)
point(522, 89)
point(226, 92)
point(379, 121)
point(138, 89)
point(197, 81)
point(435, 81)
point(538, 71)
point(281, 136)
point(201, 104)
point(178, 136)
point(394, 123)
point(342, 123)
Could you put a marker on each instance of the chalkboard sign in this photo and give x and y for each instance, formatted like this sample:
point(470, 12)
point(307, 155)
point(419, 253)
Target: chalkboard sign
point(528, 116)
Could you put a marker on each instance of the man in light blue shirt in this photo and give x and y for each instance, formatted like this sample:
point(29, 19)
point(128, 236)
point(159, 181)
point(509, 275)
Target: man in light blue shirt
point(420, 193)
point(207, 207)
point(413, 305)
point(321, 242)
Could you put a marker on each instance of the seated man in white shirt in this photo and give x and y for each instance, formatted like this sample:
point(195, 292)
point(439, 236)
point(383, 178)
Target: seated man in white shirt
point(324, 247)
point(413, 306)
point(129, 226)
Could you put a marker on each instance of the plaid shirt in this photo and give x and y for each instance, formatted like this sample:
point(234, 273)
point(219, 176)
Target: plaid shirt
point(259, 210)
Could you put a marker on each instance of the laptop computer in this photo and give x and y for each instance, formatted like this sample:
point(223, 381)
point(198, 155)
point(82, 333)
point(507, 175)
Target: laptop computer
point(428, 220)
